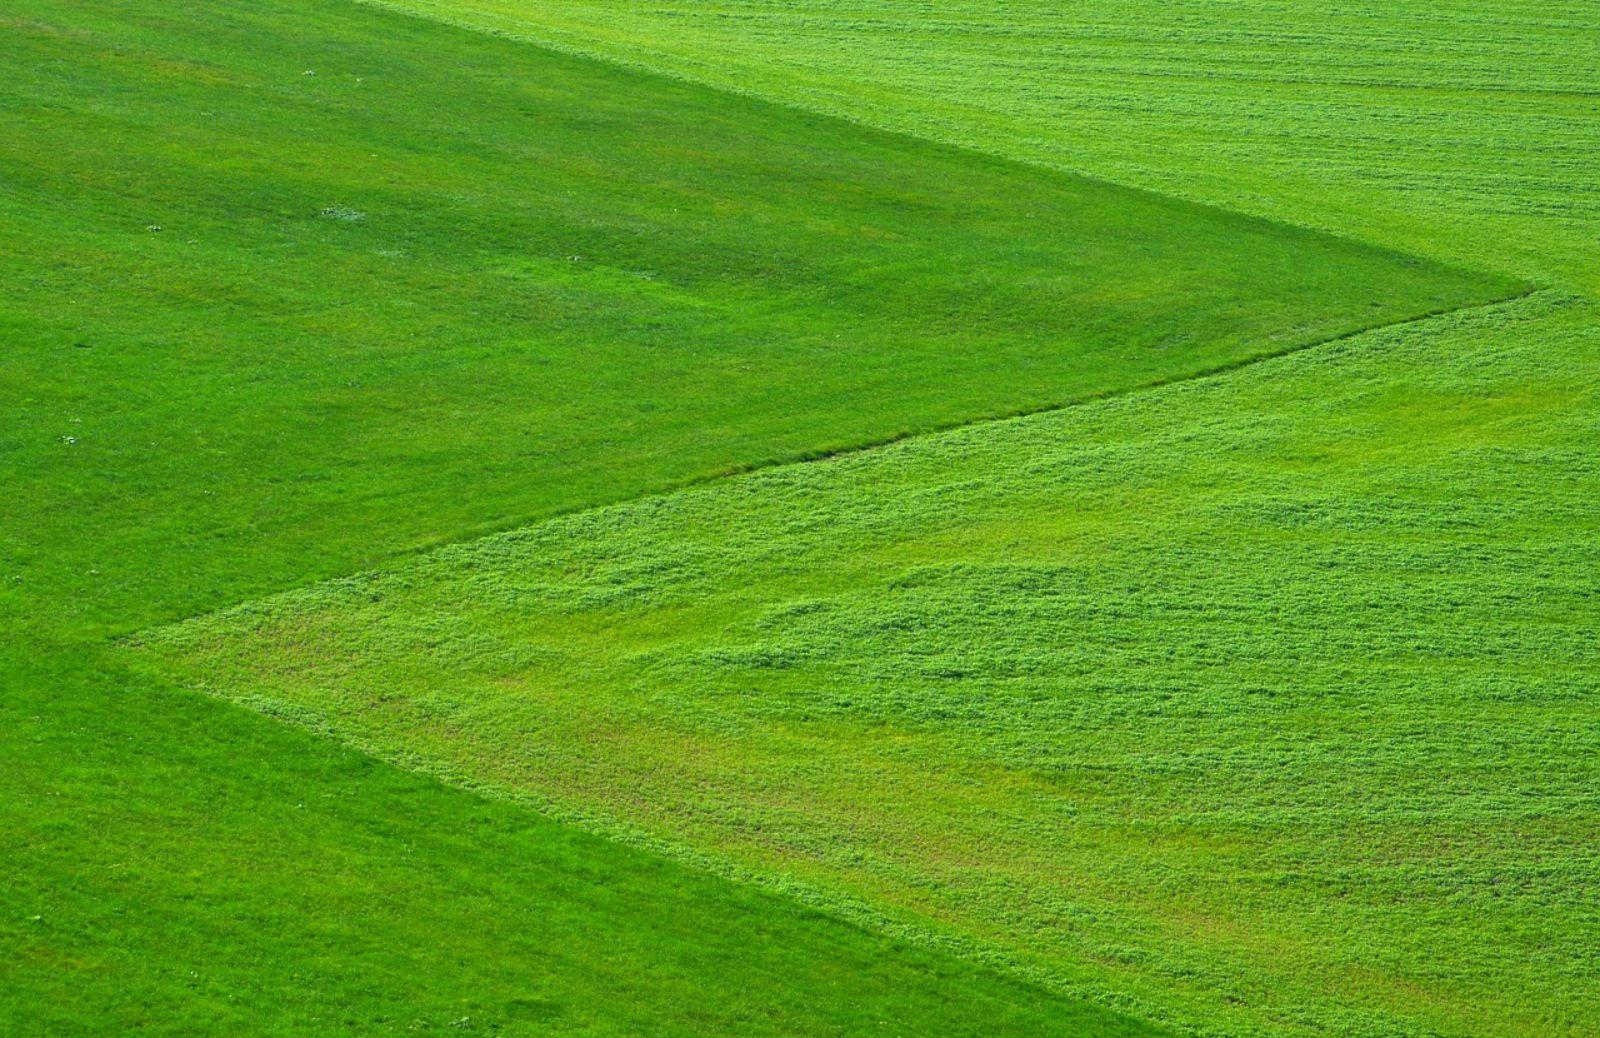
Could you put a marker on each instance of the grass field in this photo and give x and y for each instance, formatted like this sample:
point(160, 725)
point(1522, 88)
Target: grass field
point(595, 285)
point(1460, 129)
point(1271, 694)
point(1257, 704)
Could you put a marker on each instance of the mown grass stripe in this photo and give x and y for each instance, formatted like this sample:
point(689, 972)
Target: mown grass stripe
point(1263, 701)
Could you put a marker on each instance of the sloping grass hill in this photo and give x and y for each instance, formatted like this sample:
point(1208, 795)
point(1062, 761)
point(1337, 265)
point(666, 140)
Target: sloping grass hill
point(341, 281)
point(1459, 129)
point(294, 287)
point(1267, 698)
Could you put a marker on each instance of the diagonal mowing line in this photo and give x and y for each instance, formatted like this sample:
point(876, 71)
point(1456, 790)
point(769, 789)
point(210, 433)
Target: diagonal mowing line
point(812, 457)
point(1105, 394)
point(425, 10)
point(432, 11)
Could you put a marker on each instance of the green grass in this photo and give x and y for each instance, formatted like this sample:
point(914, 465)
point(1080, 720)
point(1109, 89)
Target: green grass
point(1460, 129)
point(175, 866)
point(266, 391)
point(261, 393)
point(448, 284)
point(568, 284)
point(1265, 700)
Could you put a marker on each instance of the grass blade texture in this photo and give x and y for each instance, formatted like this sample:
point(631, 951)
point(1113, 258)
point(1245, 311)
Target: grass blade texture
point(1268, 697)
point(1259, 704)
point(1461, 129)
point(339, 280)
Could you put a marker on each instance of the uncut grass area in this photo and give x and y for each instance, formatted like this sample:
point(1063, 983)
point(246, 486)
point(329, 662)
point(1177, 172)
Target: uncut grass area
point(1265, 701)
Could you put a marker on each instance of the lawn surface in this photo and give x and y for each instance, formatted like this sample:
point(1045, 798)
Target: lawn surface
point(1459, 129)
point(1269, 697)
point(451, 282)
point(261, 327)
point(593, 284)
point(178, 867)
point(295, 288)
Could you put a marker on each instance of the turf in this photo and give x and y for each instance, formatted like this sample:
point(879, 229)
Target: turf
point(179, 867)
point(1460, 129)
point(264, 326)
point(1266, 700)
point(276, 385)
point(594, 284)
point(435, 288)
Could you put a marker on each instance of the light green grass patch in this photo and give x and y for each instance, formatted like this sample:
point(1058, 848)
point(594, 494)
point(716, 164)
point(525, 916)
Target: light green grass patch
point(261, 327)
point(1268, 699)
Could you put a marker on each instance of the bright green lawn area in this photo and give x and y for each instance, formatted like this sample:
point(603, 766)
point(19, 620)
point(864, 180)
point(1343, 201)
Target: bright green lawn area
point(444, 284)
point(1266, 700)
point(258, 395)
point(1460, 129)
point(451, 282)
point(361, 330)
point(176, 866)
